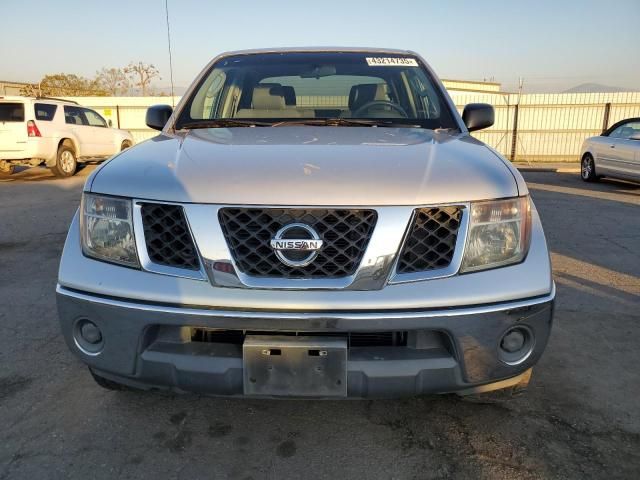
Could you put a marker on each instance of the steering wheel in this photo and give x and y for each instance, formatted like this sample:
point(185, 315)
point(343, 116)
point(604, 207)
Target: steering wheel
point(380, 103)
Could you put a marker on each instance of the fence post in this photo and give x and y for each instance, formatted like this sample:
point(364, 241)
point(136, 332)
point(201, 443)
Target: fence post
point(118, 115)
point(514, 135)
point(605, 120)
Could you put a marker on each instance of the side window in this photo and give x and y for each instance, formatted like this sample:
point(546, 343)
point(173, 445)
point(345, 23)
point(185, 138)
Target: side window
point(625, 130)
point(11, 112)
point(208, 98)
point(45, 111)
point(617, 132)
point(74, 116)
point(94, 119)
point(631, 129)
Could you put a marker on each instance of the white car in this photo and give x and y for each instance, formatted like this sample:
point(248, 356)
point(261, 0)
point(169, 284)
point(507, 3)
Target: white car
point(59, 133)
point(615, 153)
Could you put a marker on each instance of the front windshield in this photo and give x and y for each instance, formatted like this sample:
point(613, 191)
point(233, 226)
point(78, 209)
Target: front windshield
point(277, 87)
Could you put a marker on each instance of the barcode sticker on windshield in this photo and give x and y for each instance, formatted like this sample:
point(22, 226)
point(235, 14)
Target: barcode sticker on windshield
point(391, 62)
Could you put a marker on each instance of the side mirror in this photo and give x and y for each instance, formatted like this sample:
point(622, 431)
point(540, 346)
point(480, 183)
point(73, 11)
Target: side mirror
point(477, 116)
point(635, 136)
point(157, 116)
point(110, 123)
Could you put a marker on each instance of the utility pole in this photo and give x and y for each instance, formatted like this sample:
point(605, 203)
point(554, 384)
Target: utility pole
point(166, 9)
point(514, 135)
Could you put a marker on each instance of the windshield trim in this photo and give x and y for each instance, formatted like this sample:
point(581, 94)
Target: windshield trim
point(447, 103)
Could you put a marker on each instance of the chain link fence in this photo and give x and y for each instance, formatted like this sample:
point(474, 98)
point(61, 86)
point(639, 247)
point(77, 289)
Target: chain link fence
point(548, 127)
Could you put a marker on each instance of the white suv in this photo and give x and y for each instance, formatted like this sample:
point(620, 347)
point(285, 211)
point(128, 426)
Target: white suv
point(59, 133)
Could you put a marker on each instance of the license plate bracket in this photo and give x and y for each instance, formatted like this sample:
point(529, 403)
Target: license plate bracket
point(295, 366)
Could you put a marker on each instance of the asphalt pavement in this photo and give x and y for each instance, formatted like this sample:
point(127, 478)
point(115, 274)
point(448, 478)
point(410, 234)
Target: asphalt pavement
point(579, 419)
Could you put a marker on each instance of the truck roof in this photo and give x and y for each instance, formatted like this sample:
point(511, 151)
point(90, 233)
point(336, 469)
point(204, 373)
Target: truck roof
point(318, 49)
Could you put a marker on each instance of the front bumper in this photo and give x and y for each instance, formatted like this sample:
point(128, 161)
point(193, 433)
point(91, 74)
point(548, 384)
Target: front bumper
point(149, 345)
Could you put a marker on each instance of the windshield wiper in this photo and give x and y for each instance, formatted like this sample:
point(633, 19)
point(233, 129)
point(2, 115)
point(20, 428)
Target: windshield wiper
point(223, 123)
point(329, 122)
point(345, 122)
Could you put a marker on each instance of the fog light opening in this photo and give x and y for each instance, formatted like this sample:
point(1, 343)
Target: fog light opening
point(88, 337)
point(516, 345)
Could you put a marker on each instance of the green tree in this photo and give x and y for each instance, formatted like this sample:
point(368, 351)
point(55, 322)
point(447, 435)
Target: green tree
point(65, 85)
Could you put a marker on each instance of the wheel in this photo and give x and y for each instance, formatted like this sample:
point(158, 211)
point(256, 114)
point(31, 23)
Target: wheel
point(7, 168)
point(588, 169)
point(126, 144)
point(107, 384)
point(66, 163)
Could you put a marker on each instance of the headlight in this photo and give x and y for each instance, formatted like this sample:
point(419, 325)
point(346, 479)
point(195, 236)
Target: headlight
point(499, 232)
point(107, 230)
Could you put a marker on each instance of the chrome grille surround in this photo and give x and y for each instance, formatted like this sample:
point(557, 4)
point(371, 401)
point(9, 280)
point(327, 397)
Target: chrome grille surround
point(167, 236)
point(346, 233)
point(377, 268)
point(153, 263)
point(431, 239)
point(456, 252)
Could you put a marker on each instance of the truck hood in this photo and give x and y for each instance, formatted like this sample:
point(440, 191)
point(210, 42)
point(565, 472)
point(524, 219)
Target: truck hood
point(308, 165)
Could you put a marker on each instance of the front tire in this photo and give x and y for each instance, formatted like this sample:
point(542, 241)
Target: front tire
point(7, 168)
point(588, 169)
point(511, 392)
point(66, 163)
point(106, 383)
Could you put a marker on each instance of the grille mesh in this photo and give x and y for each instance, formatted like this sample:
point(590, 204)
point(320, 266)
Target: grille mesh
point(167, 236)
point(431, 241)
point(355, 339)
point(345, 233)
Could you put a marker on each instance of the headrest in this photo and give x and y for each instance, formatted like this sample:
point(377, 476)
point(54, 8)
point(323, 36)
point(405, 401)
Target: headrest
point(268, 98)
point(365, 93)
point(289, 96)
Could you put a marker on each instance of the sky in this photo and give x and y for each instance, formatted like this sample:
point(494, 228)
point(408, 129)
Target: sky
point(552, 45)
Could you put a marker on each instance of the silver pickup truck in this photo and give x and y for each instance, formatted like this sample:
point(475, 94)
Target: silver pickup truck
point(309, 223)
